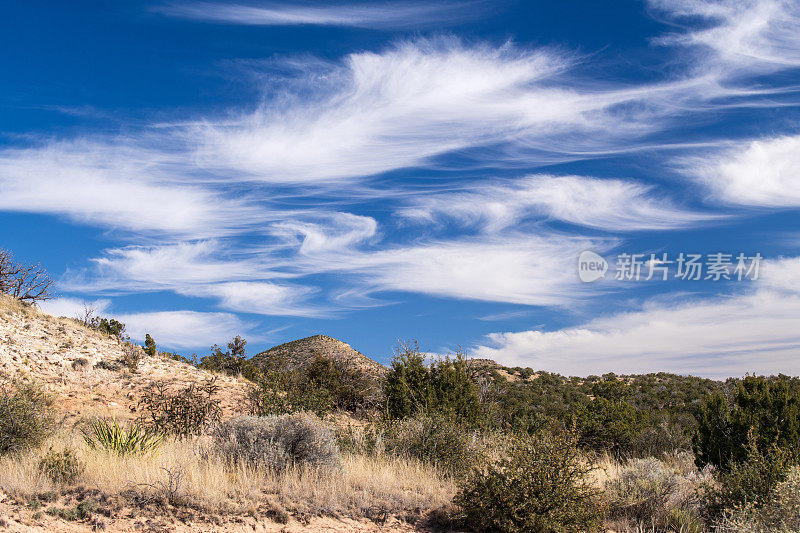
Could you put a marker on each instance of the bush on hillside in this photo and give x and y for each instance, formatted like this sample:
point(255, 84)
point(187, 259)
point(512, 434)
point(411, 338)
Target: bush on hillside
point(27, 283)
point(131, 356)
point(749, 482)
point(766, 410)
point(182, 413)
point(277, 441)
point(322, 386)
point(541, 486)
point(433, 440)
point(26, 418)
point(780, 514)
point(150, 347)
point(445, 387)
point(62, 466)
point(232, 362)
point(610, 422)
point(109, 326)
point(665, 495)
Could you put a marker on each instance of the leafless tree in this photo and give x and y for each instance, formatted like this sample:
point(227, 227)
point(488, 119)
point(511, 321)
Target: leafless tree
point(27, 283)
point(85, 317)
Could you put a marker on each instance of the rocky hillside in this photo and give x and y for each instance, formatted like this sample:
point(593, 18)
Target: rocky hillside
point(82, 366)
point(299, 353)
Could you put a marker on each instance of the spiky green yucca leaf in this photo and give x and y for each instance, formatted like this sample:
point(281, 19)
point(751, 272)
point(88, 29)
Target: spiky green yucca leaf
point(122, 440)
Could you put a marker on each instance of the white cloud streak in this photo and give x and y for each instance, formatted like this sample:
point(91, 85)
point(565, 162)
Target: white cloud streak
point(608, 204)
point(402, 107)
point(376, 15)
point(74, 307)
point(118, 186)
point(259, 297)
point(171, 329)
point(513, 268)
point(185, 329)
point(752, 331)
point(764, 173)
point(743, 35)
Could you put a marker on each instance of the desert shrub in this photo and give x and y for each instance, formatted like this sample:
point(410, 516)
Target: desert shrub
point(108, 326)
point(277, 441)
point(26, 418)
point(80, 363)
point(108, 365)
point(182, 413)
point(749, 482)
point(781, 513)
point(660, 494)
point(231, 362)
point(660, 436)
point(150, 347)
point(322, 386)
point(610, 422)
point(433, 440)
point(766, 410)
point(540, 486)
point(131, 356)
point(446, 387)
point(107, 435)
point(62, 466)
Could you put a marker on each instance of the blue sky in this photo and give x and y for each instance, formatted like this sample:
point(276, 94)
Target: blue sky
point(431, 170)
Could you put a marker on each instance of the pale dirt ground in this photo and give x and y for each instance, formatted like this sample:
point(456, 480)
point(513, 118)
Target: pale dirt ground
point(34, 345)
point(39, 346)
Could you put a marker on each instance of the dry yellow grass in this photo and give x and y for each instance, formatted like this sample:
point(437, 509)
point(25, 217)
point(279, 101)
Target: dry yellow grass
point(359, 486)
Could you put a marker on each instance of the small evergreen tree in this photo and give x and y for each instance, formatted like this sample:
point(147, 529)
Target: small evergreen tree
point(610, 421)
point(445, 387)
point(769, 408)
point(149, 345)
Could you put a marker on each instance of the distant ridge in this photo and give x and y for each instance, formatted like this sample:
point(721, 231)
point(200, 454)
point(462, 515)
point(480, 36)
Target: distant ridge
point(299, 353)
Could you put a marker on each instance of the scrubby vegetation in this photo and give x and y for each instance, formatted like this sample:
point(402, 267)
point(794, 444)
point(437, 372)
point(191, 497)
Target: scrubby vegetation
point(458, 443)
point(277, 442)
point(28, 283)
point(322, 386)
point(109, 435)
point(26, 417)
point(61, 466)
point(184, 412)
point(540, 484)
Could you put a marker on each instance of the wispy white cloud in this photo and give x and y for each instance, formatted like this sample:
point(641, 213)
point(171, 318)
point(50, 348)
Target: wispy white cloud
point(119, 186)
point(200, 269)
point(186, 329)
point(164, 267)
point(513, 268)
point(756, 173)
point(171, 329)
point(375, 15)
point(405, 105)
point(74, 307)
point(751, 331)
point(744, 35)
point(609, 204)
point(260, 297)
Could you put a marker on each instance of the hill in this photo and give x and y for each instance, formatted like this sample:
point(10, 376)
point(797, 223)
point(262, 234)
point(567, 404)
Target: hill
point(299, 353)
point(82, 367)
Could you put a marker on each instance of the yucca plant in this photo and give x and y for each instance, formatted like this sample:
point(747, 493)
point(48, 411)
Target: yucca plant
point(122, 440)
